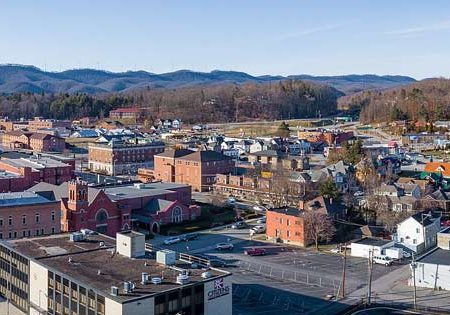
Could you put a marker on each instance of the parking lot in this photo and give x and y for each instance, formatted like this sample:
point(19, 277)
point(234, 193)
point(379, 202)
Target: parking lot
point(286, 278)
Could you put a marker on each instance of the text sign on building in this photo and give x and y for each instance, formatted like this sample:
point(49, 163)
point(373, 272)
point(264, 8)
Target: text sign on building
point(220, 289)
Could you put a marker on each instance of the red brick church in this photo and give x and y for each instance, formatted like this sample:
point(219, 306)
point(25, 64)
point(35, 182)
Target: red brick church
point(112, 209)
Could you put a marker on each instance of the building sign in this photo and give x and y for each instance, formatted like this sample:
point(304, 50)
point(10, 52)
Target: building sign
point(220, 289)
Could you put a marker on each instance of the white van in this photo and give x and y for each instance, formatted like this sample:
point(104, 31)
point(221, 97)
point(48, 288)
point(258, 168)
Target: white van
point(383, 260)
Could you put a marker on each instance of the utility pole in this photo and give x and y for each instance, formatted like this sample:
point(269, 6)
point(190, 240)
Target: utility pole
point(344, 267)
point(414, 266)
point(369, 287)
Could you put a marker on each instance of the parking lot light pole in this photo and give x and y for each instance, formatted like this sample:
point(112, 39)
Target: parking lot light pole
point(414, 266)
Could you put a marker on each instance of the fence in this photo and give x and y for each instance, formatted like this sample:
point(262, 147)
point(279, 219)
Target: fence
point(181, 256)
point(289, 275)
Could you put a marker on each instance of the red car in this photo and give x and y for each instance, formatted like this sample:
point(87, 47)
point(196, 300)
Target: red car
point(255, 252)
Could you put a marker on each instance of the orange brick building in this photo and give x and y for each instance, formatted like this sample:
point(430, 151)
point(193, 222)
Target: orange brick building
point(286, 225)
point(38, 142)
point(196, 168)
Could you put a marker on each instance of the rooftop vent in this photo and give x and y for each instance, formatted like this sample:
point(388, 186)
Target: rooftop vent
point(156, 280)
point(144, 278)
point(206, 275)
point(183, 279)
point(139, 185)
point(77, 237)
point(114, 291)
point(127, 287)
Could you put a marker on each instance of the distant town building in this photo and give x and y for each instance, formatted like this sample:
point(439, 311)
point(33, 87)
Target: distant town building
point(131, 113)
point(37, 142)
point(118, 157)
point(41, 123)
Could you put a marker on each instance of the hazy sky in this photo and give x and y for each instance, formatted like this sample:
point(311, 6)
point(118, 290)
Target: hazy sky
point(410, 37)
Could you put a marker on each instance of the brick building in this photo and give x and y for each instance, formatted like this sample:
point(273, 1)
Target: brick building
point(121, 157)
point(329, 137)
point(38, 142)
point(196, 168)
point(286, 225)
point(32, 170)
point(131, 113)
point(25, 214)
point(113, 209)
point(40, 123)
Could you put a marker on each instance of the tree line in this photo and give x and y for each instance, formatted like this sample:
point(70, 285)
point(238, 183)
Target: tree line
point(427, 100)
point(221, 103)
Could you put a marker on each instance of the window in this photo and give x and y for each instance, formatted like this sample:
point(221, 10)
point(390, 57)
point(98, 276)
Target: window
point(10, 220)
point(417, 230)
point(53, 230)
point(38, 217)
point(414, 241)
point(24, 219)
point(1, 221)
point(288, 233)
point(53, 216)
point(287, 222)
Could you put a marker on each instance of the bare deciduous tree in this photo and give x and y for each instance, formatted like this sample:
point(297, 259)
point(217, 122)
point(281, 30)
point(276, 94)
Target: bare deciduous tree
point(318, 227)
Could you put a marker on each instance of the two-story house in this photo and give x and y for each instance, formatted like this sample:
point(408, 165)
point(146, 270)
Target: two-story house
point(418, 232)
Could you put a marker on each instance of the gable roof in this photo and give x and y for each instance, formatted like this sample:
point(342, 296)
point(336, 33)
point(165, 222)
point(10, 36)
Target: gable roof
point(438, 167)
point(426, 217)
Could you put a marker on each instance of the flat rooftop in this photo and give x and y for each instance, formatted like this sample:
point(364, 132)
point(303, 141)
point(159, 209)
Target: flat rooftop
point(372, 241)
point(34, 162)
point(145, 190)
point(100, 267)
point(6, 174)
point(438, 256)
point(22, 198)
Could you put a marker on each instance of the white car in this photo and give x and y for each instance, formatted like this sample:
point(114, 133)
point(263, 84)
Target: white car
point(358, 194)
point(383, 260)
point(224, 246)
point(231, 201)
point(172, 240)
point(259, 208)
point(259, 228)
point(336, 250)
point(261, 220)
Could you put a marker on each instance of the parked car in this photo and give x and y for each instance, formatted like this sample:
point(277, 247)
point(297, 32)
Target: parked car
point(259, 229)
point(259, 208)
point(261, 220)
point(336, 250)
point(383, 260)
point(224, 246)
point(239, 225)
point(172, 240)
point(255, 252)
point(217, 263)
point(358, 194)
point(231, 201)
point(189, 237)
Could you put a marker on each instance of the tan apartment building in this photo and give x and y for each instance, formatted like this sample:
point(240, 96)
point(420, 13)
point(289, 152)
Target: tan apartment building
point(118, 158)
point(38, 142)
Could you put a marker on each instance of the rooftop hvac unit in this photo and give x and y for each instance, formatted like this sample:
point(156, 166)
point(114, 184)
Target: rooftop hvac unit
point(166, 257)
point(183, 279)
point(127, 286)
point(144, 278)
point(114, 291)
point(139, 185)
point(156, 280)
point(76, 237)
point(206, 275)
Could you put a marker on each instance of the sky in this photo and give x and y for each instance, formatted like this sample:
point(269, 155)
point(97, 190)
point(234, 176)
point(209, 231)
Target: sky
point(278, 37)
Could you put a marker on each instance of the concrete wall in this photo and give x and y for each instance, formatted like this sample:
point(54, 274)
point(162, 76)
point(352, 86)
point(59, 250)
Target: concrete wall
point(426, 276)
point(221, 305)
point(140, 307)
point(38, 287)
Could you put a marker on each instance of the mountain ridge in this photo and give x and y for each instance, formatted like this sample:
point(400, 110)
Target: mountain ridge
point(16, 78)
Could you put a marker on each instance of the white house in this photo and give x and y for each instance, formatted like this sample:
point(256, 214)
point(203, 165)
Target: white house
point(419, 232)
point(362, 247)
point(432, 270)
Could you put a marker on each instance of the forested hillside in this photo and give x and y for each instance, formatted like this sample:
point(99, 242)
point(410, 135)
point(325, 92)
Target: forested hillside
point(219, 103)
point(425, 100)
